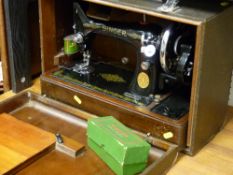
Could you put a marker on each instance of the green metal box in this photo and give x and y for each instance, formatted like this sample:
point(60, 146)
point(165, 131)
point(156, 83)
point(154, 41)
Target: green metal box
point(122, 150)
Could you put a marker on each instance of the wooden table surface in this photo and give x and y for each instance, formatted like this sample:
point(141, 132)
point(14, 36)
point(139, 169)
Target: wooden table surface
point(216, 158)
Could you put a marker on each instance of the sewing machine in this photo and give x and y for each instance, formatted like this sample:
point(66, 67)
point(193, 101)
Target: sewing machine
point(163, 61)
point(158, 72)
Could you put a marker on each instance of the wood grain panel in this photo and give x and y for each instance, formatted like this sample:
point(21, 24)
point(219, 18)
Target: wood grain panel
point(212, 83)
point(18, 43)
point(20, 142)
point(47, 33)
point(34, 38)
point(3, 49)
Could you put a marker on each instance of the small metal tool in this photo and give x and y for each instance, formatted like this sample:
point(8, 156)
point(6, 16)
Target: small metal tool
point(59, 138)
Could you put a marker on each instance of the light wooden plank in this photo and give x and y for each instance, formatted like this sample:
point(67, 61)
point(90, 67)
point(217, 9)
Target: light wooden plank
point(9, 158)
point(20, 142)
point(3, 49)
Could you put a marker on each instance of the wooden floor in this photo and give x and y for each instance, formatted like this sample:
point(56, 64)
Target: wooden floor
point(214, 159)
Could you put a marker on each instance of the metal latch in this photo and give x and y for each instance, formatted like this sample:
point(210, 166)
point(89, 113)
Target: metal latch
point(169, 6)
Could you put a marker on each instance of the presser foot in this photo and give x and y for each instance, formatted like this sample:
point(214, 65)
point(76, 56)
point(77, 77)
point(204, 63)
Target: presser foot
point(83, 69)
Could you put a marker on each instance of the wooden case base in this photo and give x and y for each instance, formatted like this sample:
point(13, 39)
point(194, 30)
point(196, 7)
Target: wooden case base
point(138, 118)
point(56, 117)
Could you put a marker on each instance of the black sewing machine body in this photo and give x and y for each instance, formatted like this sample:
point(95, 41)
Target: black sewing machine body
point(142, 64)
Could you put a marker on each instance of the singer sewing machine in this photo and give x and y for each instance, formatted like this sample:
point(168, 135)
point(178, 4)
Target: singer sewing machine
point(128, 59)
point(157, 68)
point(163, 61)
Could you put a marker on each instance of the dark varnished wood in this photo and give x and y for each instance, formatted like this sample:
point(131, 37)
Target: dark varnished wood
point(34, 110)
point(34, 38)
point(211, 85)
point(22, 41)
point(194, 89)
point(163, 164)
point(60, 164)
point(47, 33)
point(16, 14)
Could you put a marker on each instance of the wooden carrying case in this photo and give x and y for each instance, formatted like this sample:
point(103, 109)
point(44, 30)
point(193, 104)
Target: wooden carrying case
point(64, 107)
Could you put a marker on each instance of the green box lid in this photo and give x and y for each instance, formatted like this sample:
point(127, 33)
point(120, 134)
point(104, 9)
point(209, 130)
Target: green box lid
point(106, 135)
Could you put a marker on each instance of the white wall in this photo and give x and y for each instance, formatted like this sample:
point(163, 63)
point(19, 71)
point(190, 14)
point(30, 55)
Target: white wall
point(231, 92)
